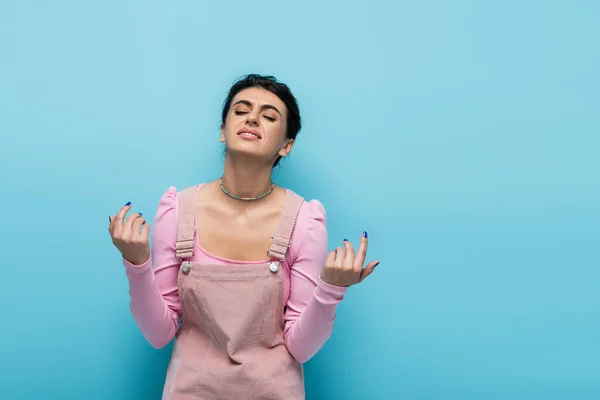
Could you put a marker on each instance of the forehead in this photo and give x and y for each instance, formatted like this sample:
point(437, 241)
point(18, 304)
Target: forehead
point(259, 96)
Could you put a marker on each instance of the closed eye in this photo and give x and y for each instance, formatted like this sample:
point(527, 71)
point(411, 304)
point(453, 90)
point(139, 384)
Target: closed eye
point(269, 118)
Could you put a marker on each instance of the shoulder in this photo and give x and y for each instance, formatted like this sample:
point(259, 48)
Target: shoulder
point(168, 203)
point(168, 200)
point(172, 194)
point(167, 214)
point(311, 211)
point(311, 227)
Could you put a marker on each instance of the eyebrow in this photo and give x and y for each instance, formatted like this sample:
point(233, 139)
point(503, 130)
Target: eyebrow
point(264, 106)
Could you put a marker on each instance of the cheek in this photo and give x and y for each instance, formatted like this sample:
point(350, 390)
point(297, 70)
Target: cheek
point(231, 124)
point(276, 132)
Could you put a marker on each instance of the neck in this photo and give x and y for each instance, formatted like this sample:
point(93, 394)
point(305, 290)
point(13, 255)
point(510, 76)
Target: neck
point(245, 178)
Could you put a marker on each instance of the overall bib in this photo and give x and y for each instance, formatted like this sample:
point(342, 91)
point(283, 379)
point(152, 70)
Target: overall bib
point(230, 343)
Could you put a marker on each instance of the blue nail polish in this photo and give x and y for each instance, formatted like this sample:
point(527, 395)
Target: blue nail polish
point(140, 214)
point(128, 203)
point(345, 240)
point(109, 220)
point(375, 265)
point(365, 234)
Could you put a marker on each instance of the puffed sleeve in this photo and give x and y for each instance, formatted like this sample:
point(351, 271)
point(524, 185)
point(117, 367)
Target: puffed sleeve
point(154, 300)
point(311, 308)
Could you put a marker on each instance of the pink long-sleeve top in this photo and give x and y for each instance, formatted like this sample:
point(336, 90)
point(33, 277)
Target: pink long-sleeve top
point(311, 303)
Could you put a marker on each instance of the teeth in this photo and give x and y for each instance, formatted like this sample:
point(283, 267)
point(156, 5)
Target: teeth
point(251, 134)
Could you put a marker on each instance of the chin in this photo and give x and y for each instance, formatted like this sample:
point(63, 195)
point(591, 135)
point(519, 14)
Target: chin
point(245, 151)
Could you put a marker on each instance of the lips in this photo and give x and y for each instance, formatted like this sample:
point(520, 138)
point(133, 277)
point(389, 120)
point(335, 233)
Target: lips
point(249, 133)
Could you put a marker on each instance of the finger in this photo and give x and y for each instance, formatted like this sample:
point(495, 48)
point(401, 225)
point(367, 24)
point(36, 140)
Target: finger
point(349, 260)
point(339, 256)
point(111, 225)
point(121, 214)
point(368, 270)
point(145, 231)
point(128, 224)
point(330, 258)
point(359, 260)
point(137, 223)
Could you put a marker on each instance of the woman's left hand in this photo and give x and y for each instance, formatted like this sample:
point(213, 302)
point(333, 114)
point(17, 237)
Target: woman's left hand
point(344, 268)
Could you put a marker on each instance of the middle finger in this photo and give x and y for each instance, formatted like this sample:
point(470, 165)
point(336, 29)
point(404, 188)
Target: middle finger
point(349, 259)
point(340, 256)
point(137, 223)
point(128, 224)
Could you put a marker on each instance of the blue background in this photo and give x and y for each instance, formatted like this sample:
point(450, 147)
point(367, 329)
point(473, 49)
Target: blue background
point(463, 136)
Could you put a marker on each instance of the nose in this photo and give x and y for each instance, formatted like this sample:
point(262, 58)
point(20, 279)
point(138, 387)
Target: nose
point(252, 117)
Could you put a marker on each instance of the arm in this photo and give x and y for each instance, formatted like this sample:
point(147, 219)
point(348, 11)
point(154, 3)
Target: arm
point(311, 308)
point(154, 299)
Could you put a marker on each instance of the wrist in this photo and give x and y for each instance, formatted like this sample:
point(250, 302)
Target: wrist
point(136, 262)
point(330, 291)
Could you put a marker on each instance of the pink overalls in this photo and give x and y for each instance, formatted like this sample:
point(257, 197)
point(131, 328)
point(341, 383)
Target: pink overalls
point(230, 344)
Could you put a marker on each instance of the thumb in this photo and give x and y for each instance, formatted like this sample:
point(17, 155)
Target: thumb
point(368, 270)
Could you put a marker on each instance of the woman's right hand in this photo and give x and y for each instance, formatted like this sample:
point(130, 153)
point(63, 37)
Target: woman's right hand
point(130, 236)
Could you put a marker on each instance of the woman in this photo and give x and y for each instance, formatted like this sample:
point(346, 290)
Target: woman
point(239, 272)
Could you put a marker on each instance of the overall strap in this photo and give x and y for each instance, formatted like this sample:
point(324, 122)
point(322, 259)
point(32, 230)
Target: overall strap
point(185, 223)
point(281, 239)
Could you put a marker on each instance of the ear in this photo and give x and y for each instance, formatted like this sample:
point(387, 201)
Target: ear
point(285, 150)
point(222, 134)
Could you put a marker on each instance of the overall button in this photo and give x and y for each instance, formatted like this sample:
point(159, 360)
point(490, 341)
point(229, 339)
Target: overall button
point(185, 267)
point(274, 267)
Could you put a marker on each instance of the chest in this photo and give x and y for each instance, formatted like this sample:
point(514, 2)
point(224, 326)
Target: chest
point(241, 236)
